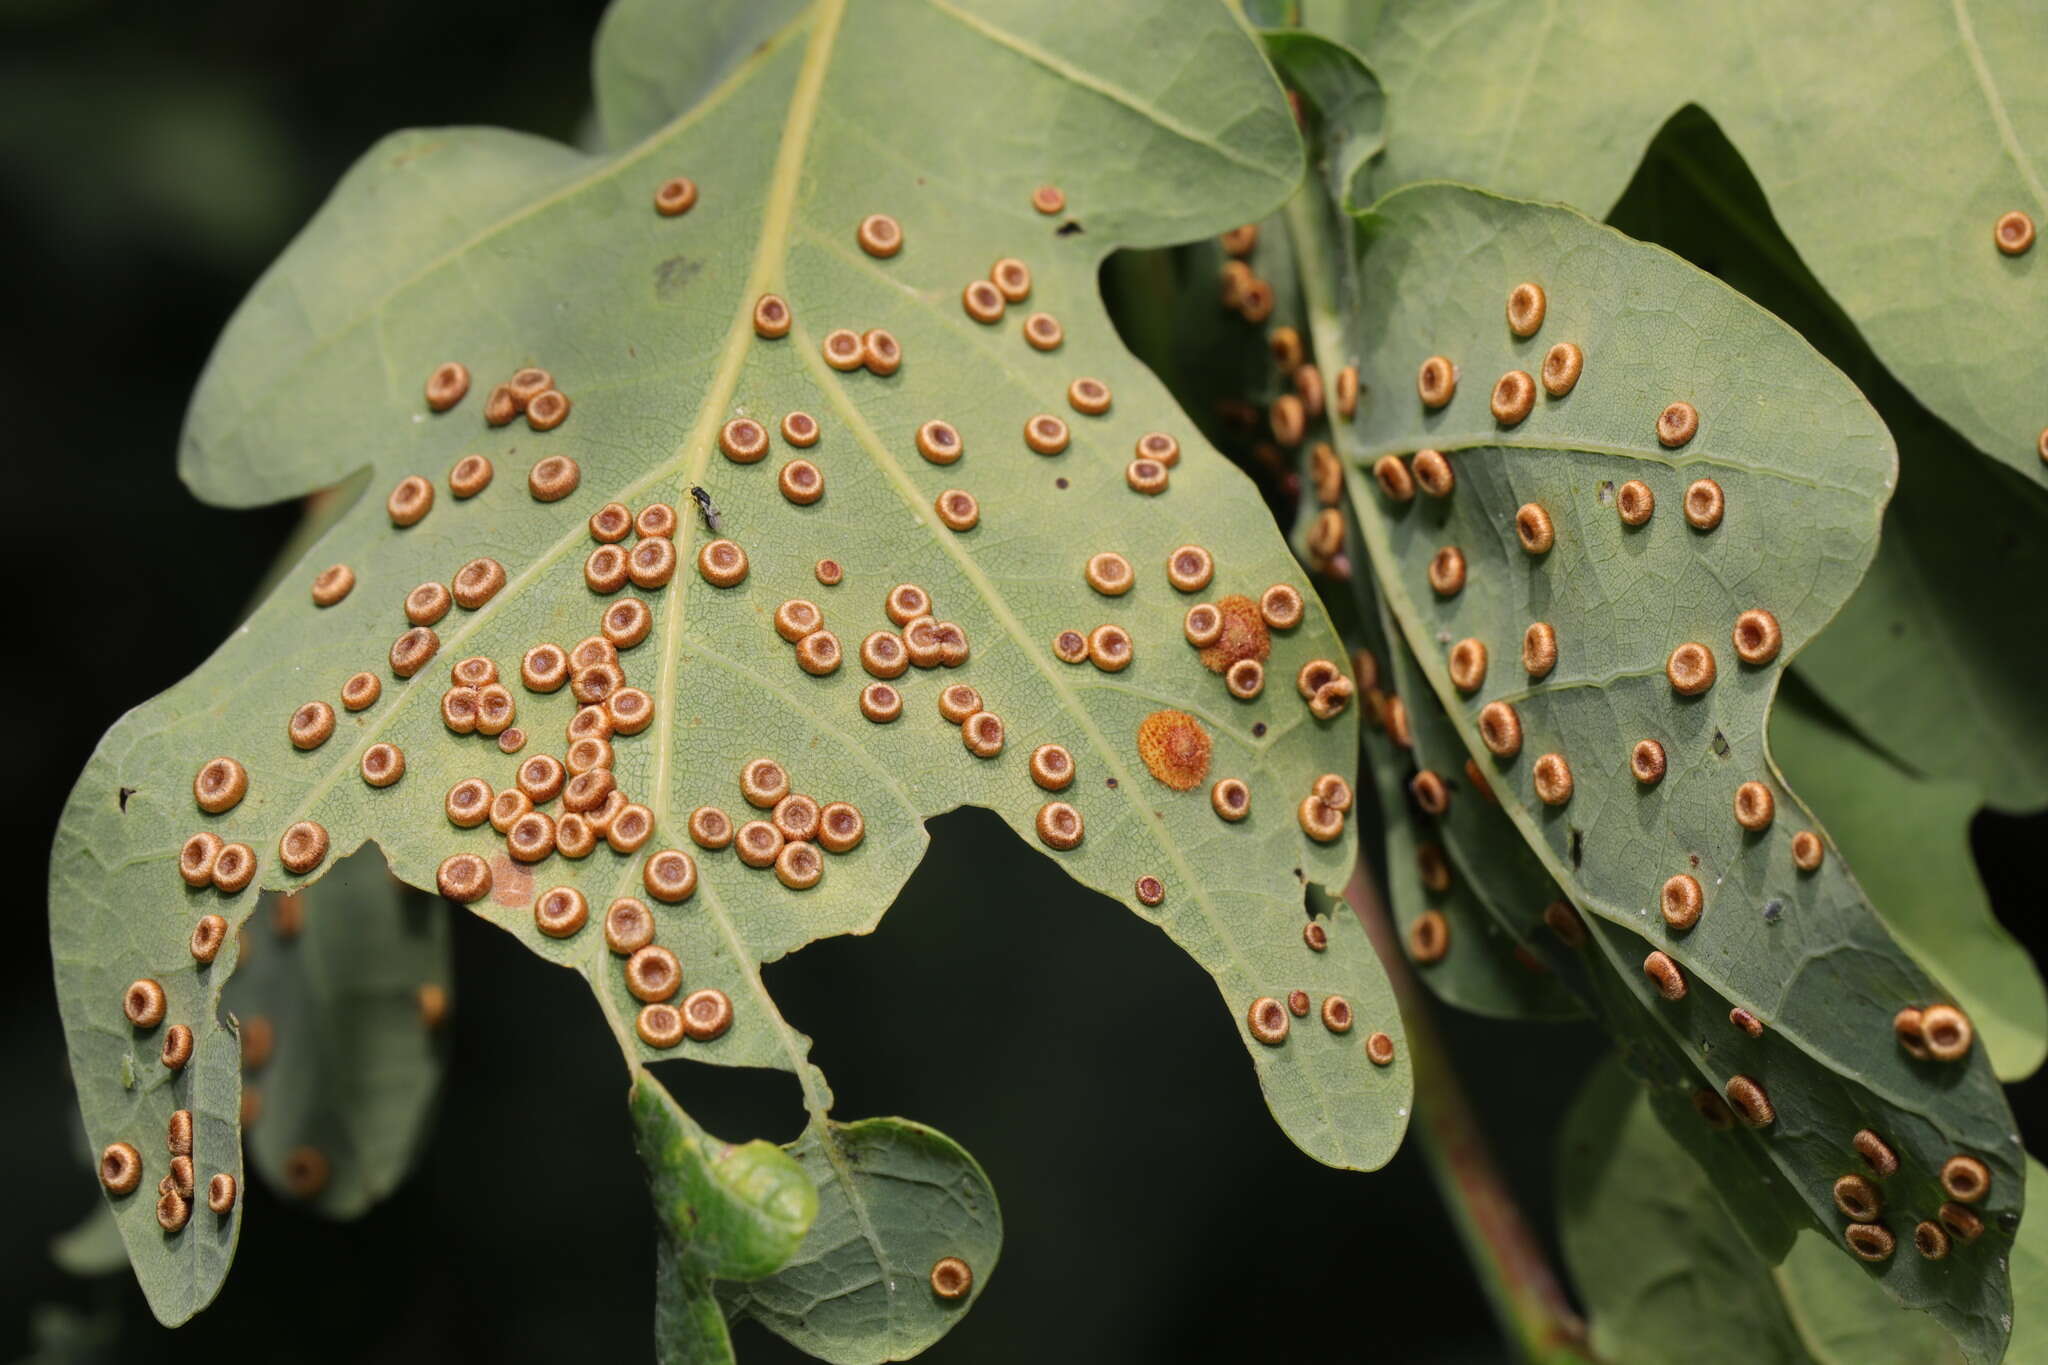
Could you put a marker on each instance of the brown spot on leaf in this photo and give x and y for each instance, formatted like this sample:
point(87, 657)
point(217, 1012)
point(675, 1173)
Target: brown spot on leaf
point(1244, 635)
point(1174, 745)
point(511, 882)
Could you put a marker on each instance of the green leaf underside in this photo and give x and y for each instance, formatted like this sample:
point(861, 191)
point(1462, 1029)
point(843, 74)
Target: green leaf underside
point(1669, 1279)
point(1909, 840)
point(1923, 659)
point(724, 1212)
point(1805, 467)
point(1828, 102)
point(894, 1198)
point(500, 251)
point(354, 1067)
point(2030, 1281)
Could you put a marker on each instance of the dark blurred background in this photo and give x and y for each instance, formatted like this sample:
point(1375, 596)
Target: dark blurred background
point(156, 158)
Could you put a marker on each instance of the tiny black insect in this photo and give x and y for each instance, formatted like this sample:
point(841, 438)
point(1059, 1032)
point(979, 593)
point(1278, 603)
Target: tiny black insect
point(705, 506)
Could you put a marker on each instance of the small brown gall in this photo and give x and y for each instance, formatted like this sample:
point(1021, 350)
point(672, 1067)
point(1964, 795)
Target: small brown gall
point(1514, 397)
point(1436, 381)
point(1664, 974)
point(1690, 669)
point(1677, 424)
point(1681, 902)
point(1526, 306)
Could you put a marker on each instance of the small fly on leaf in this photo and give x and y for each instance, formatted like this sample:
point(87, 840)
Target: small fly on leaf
point(707, 507)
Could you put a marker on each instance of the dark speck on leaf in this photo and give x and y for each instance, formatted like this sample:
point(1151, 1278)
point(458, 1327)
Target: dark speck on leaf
point(1069, 228)
point(1112, 784)
point(673, 274)
point(1720, 745)
point(1772, 909)
point(2009, 1221)
point(1298, 875)
point(126, 792)
point(1059, 483)
point(1259, 730)
point(1578, 846)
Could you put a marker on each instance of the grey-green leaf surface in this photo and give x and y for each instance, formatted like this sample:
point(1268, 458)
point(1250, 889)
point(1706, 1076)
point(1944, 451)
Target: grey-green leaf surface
point(501, 251)
point(2030, 1281)
point(93, 1247)
point(894, 1198)
point(352, 1062)
point(1669, 1279)
point(1923, 659)
point(1888, 142)
point(1804, 467)
point(1908, 838)
point(724, 1211)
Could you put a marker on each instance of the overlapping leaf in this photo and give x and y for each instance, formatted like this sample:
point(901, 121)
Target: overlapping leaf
point(1804, 467)
point(1889, 142)
point(501, 251)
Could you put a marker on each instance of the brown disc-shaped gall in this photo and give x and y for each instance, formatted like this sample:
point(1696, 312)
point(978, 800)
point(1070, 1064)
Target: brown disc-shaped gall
point(1754, 806)
point(722, 563)
point(1242, 241)
point(1308, 387)
point(1379, 1049)
point(1318, 819)
point(1157, 446)
point(1231, 799)
point(763, 782)
point(1149, 890)
point(1514, 397)
point(501, 407)
point(506, 808)
point(554, 478)
point(906, 602)
point(1326, 473)
point(1109, 573)
point(659, 1026)
point(2013, 232)
point(1664, 974)
point(1046, 434)
point(332, 584)
point(383, 764)
point(1396, 483)
point(1175, 748)
point(653, 975)
point(1070, 647)
point(1564, 921)
point(474, 671)
point(302, 847)
point(801, 483)
point(544, 668)
point(1315, 675)
point(710, 827)
point(144, 1003)
point(1677, 424)
point(880, 703)
point(1267, 1019)
point(628, 926)
point(842, 349)
point(628, 710)
point(676, 196)
point(818, 653)
point(1552, 777)
point(1930, 1240)
point(1561, 367)
point(883, 656)
point(1746, 1021)
point(541, 778)
point(1690, 669)
point(652, 563)
point(1447, 571)
point(1288, 420)
point(477, 582)
point(625, 623)
point(1468, 664)
point(879, 235)
point(177, 1047)
point(799, 865)
point(604, 571)
point(1526, 307)
point(468, 803)
point(1245, 679)
point(1946, 1032)
point(880, 352)
point(1049, 199)
point(707, 1014)
point(575, 836)
point(1282, 607)
point(656, 519)
point(413, 651)
point(797, 618)
point(958, 509)
point(983, 302)
point(1042, 332)
point(670, 876)
point(1876, 1153)
point(532, 837)
point(757, 843)
point(528, 384)
point(1334, 791)
point(412, 499)
point(587, 790)
point(234, 868)
point(1089, 397)
point(1750, 1102)
point(1298, 1004)
point(1500, 730)
point(1430, 791)
point(1539, 649)
point(1012, 277)
point(1906, 1029)
point(1433, 868)
point(173, 1210)
point(1961, 1221)
point(1336, 1012)
point(1347, 391)
point(1146, 476)
point(547, 410)
point(1704, 504)
point(840, 827)
point(197, 856)
point(1109, 648)
point(1807, 851)
point(983, 734)
point(427, 603)
point(361, 691)
point(771, 317)
point(1646, 762)
point(828, 572)
point(1870, 1241)
point(207, 937)
point(220, 1194)
point(1060, 825)
point(1858, 1199)
point(120, 1168)
point(1436, 381)
point(1315, 936)
point(1433, 473)
point(743, 440)
point(1203, 625)
point(560, 911)
point(1757, 636)
point(796, 816)
point(1429, 937)
point(629, 827)
point(311, 725)
point(1534, 529)
point(1681, 902)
